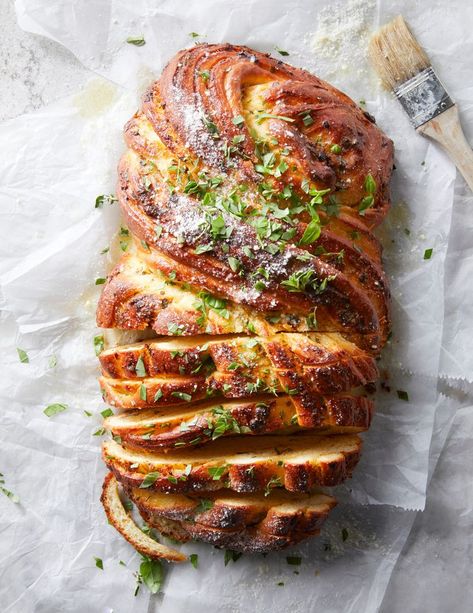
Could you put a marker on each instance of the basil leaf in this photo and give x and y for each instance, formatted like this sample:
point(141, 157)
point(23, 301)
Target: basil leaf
point(98, 563)
point(194, 559)
point(428, 254)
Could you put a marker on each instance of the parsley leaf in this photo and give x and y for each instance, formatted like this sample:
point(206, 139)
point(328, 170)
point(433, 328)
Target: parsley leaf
point(138, 41)
point(98, 563)
point(24, 359)
point(151, 574)
point(194, 559)
point(149, 480)
point(54, 409)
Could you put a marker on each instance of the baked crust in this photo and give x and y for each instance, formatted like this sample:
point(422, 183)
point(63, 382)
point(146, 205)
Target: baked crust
point(251, 189)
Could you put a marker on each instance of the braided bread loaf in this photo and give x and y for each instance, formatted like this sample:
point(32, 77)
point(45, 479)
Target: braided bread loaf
point(251, 189)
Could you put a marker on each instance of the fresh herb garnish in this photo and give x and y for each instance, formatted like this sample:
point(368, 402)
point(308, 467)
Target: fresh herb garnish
point(281, 52)
point(428, 254)
point(194, 559)
point(311, 232)
point(216, 472)
point(143, 392)
point(151, 574)
point(140, 369)
point(106, 413)
point(104, 199)
point(99, 343)
point(13, 497)
point(403, 395)
point(336, 149)
point(138, 41)
point(98, 563)
point(261, 115)
point(182, 396)
point(231, 556)
point(149, 480)
point(100, 281)
point(24, 359)
point(54, 409)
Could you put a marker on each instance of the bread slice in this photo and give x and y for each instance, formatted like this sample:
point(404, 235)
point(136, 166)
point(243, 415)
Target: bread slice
point(157, 391)
point(244, 464)
point(248, 540)
point(327, 363)
point(137, 296)
point(169, 428)
point(242, 522)
point(122, 522)
point(163, 372)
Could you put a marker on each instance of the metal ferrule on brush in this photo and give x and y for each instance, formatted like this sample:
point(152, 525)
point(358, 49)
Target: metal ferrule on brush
point(423, 97)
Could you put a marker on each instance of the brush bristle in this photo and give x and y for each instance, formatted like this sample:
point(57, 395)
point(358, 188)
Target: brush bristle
point(395, 53)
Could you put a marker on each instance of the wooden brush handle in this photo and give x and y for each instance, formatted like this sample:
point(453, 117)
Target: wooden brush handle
point(446, 130)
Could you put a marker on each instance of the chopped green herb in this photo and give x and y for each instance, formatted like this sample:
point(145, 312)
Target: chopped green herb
point(149, 480)
point(24, 359)
point(52, 362)
point(54, 409)
point(234, 264)
point(336, 149)
point(203, 506)
point(158, 395)
point(281, 52)
point(140, 369)
point(182, 396)
point(370, 184)
point(143, 392)
point(203, 248)
point(106, 413)
point(104, 199)
point(344, 534)
point(100, 281)
point(311, 232)
point(194, 34)
point(238, 120)
point(261, 115)
point(280, 583)
point(402, 395)
point(138, 41)
point(194, 559)
point(428, 254)
point(13, 497)
point(99, 343)
point(366, 203)
point(88, 413)
point(216, 472)
point(231, 556)
point(98, 563)
point(151, 574)
point(175, 329)
point(205, 75)
point(99, 432)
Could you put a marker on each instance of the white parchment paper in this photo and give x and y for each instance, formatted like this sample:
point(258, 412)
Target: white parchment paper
point(54, 164)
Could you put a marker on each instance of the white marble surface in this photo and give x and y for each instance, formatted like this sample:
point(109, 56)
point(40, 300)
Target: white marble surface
point(34, 71)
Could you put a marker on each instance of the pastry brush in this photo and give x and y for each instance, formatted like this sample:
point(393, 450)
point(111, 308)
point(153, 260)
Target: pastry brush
point(404, 67)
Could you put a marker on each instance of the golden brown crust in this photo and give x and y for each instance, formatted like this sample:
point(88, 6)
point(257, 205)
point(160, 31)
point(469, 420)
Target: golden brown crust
point(122, 522)
point(251, 189)
point(161, 429)
point(242, 522)
point(299, 463)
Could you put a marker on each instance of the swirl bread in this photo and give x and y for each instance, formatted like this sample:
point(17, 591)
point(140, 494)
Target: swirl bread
point(251, 189)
